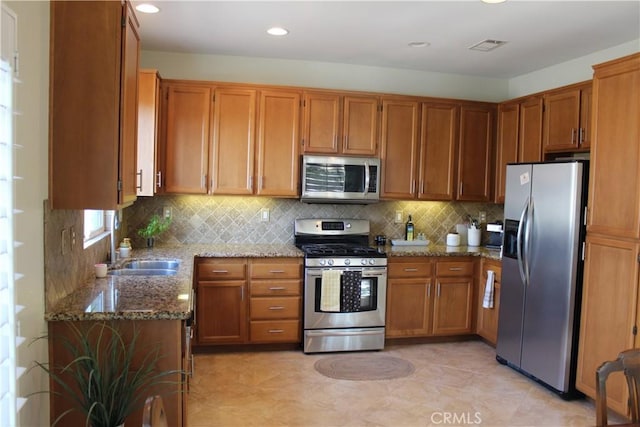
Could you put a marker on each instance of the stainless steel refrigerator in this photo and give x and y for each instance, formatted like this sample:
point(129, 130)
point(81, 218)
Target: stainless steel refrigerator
point(542, 271)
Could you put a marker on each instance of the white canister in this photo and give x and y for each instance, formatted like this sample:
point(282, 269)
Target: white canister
point(124, 252)
point(474, 236)
point(453, 239)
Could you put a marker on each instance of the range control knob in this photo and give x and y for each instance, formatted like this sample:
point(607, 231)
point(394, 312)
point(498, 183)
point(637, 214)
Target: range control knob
point(347, 261)
point(322, 261)
point(363, 261)
point(372, 261)
point(330, 262)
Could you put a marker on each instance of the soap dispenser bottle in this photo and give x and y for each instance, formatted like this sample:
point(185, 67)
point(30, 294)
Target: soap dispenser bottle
point(408, 230)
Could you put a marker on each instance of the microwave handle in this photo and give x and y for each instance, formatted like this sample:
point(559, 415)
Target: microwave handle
point(367, 178)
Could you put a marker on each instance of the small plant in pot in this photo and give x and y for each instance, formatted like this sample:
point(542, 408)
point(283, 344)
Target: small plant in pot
point(154, 228)
point(101, 379)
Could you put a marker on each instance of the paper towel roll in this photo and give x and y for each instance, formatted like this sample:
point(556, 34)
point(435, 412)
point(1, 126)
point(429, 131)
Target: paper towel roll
point(453, 239)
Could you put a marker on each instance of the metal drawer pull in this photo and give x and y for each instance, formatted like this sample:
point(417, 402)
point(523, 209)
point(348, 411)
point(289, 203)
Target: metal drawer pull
point(455, 268)
point(276, 331)
point(277, 288)
point(410, 269)
point(276, 271)
point(220, 271)
point(276, 307)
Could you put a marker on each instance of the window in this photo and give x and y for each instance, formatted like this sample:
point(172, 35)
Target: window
point(93, 224)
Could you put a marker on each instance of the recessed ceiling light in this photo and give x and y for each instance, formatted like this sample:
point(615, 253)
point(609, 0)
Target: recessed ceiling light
point(278, 31)
point(419, 44)
point(147, 8)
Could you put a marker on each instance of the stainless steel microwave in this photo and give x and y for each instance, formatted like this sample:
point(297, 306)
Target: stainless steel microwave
point(339, 179)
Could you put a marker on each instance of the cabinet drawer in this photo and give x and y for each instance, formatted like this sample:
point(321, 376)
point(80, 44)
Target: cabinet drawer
point(409, 269)
point(275, 287)
point(275, 308)
point(225, 270)
point(454, 268)
point(275, 331)
point(275, 269)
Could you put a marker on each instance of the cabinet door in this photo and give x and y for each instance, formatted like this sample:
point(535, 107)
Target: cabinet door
point(321, 122)
point(452, 307)
point(278, 144)
point(148, 113)
point(409, 307)
point(487, 320)
point(614, 185)
point(129, 108)
point(474, 153)
point(85, 104)
point(530, 134)
point(438, 136)
point(399, 148)
point(222, 312)
point(609, 309)
point(586, 97)
point(561, 118)
point(187, 138)
point(232, 150)
point(360, 125)
point(507, 148)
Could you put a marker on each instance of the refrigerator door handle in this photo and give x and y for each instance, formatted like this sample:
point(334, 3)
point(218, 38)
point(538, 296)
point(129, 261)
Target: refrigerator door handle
point(520, 242)
point(527, 240)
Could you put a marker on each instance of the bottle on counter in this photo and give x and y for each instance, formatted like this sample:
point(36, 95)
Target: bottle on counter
point(408, 230)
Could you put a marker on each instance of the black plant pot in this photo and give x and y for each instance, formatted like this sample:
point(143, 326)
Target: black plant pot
point(150, 241)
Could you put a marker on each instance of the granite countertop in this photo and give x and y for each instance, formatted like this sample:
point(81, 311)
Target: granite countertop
point(171, 298)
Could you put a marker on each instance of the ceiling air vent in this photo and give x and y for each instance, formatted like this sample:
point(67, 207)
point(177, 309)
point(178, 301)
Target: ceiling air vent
point(487, 45)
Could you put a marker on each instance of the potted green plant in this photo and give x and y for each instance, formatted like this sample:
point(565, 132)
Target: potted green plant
point(101, 380)
point(154, 228)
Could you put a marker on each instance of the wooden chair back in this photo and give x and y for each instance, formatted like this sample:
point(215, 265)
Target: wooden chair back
point(627, 362)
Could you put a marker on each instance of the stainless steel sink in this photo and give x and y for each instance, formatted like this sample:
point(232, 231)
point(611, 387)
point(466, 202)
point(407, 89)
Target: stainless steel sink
point(152, 264)
point(143, 272)
point(147, 267)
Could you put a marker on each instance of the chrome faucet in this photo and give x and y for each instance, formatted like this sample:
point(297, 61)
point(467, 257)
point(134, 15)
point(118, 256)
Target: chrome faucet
point(115, 224)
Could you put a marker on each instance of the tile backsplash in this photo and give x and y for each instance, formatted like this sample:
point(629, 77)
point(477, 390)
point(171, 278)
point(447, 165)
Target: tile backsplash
point(235, 219)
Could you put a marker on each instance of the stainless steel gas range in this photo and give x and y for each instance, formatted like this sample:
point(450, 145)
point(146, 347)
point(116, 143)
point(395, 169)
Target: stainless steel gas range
point(345, 286)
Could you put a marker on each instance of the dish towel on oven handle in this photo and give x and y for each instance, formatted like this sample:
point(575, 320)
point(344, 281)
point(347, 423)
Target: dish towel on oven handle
point(487, 301)
point(350, 298)
point(330, 290)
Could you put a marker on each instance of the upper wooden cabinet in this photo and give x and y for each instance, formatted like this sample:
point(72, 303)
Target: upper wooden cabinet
point(186, 138)
point(277, 166)
point(232, 153)
point(399, 148)
point(336, 123)
point(519, 137)
point(474, 152)
point(231, 140)
point(93, 104)
point(149, 176)
point(614, 184)
point(567, 118)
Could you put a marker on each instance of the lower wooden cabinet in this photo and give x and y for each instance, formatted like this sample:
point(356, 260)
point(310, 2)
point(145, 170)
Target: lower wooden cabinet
point(428, 296)
point(242, 300)
point(164, 335)
point(487, 320)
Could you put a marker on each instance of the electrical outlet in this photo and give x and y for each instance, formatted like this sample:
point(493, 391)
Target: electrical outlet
point(264, 215)
point(482, 217)
point(73, 238)
point(167, 212)
point(398, 218)
point(64, 241)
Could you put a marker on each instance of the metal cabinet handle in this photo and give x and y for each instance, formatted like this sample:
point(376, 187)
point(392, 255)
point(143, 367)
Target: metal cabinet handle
point(276, 331)
point(276, 271)
point(410, 270)
point(455, 268)
point(573, 135)
point(159, 182)
point(438, 290)
point(139, 187)
point(429, 290)
point(276, 307)
point(220, 271)
point(277, 288)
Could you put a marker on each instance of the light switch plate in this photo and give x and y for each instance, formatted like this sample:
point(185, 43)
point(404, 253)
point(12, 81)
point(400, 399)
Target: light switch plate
point(167, 212)
point(264, 215)
point(398, 217)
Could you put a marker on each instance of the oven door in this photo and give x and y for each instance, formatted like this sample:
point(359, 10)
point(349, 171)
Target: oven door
point(370, 311)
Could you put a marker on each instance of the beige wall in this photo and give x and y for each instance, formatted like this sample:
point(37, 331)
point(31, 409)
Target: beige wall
point(31, 163)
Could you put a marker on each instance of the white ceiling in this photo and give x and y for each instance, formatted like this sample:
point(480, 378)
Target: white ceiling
point(376, 33)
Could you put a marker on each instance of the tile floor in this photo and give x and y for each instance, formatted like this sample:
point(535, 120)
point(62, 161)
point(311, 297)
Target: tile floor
point(453, 384)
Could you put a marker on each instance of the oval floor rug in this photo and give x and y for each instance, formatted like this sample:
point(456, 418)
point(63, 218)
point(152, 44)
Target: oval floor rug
point(364, 367)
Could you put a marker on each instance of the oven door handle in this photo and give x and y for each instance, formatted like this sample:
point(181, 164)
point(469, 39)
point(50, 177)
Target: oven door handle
point(365, 273)
point(341, 333)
